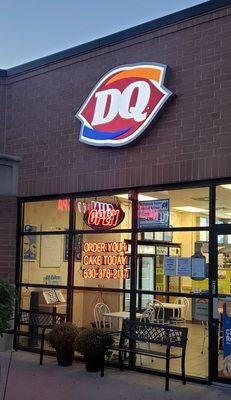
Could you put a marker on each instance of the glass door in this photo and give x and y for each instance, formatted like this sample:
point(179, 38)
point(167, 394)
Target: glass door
point(146, 280)
point(222, 309)
point(161, 283)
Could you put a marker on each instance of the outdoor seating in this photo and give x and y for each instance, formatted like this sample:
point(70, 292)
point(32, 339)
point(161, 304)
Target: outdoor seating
point(37, 323)
point(167, 336)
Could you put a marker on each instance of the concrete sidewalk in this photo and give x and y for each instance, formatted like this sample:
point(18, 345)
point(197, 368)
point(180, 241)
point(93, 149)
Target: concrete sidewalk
point(30, 381)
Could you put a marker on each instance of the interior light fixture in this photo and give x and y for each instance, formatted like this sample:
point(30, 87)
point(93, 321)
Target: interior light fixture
point(226, 186)
point(141, 197)
point(191, 209)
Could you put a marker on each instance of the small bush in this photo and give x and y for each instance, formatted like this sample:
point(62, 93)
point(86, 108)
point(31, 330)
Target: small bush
point(63, 336)
point(89, 341)
point(7, 298)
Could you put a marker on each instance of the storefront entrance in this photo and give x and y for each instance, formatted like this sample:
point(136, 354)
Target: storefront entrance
point(170, 245)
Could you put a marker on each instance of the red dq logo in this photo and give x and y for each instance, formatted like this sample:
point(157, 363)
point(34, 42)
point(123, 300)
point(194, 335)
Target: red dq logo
point(122, 104)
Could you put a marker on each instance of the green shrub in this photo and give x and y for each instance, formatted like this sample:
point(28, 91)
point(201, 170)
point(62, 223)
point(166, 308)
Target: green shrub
point(89, 341)
point(7, 298)
point(63, 336)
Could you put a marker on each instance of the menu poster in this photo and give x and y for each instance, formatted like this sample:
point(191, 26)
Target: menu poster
point(51, 246)
point(153, 214)
point(184, 266)
point(198, 267)
point(170, 266)
point(227, 339)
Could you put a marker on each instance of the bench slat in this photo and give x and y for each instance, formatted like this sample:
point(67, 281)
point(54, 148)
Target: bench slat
point(145, 352)
point(154, 333)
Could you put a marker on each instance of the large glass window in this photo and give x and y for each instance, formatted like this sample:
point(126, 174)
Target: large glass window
point(174, 208)
point(52, 215)
point(41, 299)
point(224, 264)
point(107, 212)
point(102, 259)
point(85, 306)
point(180, 264)
point(44, 259)
point(190, 312)
point(79, 252)
point(223, 204)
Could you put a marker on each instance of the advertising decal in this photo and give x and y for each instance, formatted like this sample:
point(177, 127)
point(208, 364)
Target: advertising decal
point(227, 339)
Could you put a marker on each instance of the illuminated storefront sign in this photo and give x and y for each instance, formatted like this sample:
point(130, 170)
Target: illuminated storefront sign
point(105, 266)
point(153, 214)
point(96, 214)
point(101, 217)
point(63, 205)
point(122, 104)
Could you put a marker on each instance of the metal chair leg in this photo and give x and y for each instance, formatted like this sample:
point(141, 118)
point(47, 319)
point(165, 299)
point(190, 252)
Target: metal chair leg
point(42, 349)
point(183, 368)
point(102, 364)
point(121, 360)
point(167, 373)
point(203, 345)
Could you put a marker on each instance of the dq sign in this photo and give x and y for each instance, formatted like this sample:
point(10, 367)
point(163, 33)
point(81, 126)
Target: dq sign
point(122, 105)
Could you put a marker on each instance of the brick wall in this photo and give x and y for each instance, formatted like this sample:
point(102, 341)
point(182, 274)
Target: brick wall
point(190, 141)
point(2, 112)
point(8, 219)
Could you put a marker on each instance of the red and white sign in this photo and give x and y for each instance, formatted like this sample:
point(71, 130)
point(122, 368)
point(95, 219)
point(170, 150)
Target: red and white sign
point(104, 216)
point(122, 104)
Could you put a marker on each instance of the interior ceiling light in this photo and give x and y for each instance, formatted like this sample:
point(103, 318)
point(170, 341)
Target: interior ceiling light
point(226, 186)
point(141, 197)
point(191, 209)
point(200, 198)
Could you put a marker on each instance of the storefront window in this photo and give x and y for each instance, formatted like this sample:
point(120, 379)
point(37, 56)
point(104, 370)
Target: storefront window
point(108, 212)
point(173, 262)
point(52, 215)
point(86, 302)
point(224, 264)
point(42, 300)
point(173, 208)
point(93, 260)
point(180, 311)
point(44, 259)
point(223, 204)
point(102, 259)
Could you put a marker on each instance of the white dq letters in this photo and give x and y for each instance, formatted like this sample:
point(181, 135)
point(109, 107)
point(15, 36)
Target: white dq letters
point(119, 103)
